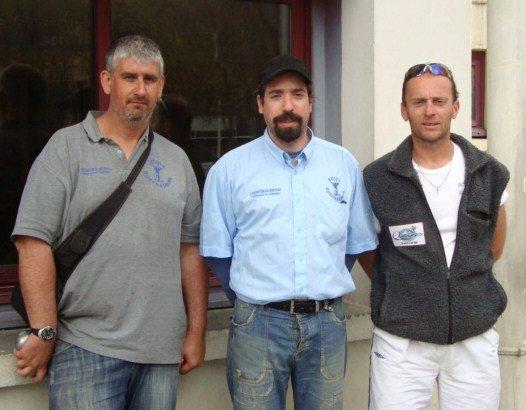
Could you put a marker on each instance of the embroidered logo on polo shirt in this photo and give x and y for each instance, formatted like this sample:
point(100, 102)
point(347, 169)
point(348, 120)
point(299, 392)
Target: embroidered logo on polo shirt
point(408, 235)
point(265, 192)
point(153, 174)
point(95, 171)
point(334, 193)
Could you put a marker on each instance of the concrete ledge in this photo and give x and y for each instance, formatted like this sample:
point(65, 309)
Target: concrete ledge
point(359, 327)
point(8, 376)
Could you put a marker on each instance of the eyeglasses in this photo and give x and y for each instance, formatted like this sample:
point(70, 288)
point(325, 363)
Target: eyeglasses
point(432, 68)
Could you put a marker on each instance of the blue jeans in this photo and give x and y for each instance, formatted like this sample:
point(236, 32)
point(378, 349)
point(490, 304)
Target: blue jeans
point(79, 379)
point(267, 347)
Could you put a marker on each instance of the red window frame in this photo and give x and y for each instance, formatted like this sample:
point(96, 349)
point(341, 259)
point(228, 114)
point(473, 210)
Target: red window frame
point(478, 68)
point(300, 48)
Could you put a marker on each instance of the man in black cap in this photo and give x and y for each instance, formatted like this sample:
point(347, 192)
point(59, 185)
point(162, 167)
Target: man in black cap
point(282, 212)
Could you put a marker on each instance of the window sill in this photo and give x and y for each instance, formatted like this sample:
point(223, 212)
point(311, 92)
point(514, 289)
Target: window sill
point(359, 327)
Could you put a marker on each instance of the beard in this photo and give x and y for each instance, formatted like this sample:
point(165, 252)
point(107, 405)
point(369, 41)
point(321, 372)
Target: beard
point(133, 116)
point(288, 134)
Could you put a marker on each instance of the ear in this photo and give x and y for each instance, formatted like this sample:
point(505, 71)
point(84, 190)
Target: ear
point(403, 111)
point(260, 104)
point(456, 107)
point(105, 81)
point(161, 86)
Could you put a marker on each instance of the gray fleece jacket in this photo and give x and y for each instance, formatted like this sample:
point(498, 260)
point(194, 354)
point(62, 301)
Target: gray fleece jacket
point(413, 293)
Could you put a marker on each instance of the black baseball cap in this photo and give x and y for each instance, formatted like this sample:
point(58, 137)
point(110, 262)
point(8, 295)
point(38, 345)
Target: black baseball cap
point(281, 64)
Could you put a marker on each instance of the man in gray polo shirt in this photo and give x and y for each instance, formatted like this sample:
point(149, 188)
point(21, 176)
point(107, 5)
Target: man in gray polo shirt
point(123, 333)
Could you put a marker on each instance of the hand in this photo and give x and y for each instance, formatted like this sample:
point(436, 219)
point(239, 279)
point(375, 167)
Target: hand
point(193, 352)
point(34, 357)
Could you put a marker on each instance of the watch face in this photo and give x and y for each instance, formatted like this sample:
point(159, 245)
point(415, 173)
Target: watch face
point(47, 333)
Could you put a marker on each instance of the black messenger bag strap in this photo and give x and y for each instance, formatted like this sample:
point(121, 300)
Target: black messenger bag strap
point(71, 251)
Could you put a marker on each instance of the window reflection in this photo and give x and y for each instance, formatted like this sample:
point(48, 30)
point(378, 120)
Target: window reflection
point(213, 50)
point(45, 84)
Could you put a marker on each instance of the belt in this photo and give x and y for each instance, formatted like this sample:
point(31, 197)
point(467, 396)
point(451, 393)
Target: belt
point(302, 306)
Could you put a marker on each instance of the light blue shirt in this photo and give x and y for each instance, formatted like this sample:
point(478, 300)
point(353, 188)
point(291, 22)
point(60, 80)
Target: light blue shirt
point(287, 223)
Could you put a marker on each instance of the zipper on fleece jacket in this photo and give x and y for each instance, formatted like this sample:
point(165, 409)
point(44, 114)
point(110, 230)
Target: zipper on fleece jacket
point(449, 333)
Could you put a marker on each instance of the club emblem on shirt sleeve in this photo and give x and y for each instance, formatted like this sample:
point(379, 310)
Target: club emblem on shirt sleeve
point(153, 174)
point(335, 192)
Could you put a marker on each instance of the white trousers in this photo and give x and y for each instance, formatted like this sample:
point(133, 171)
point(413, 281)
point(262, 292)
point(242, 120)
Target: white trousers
point(404, 373)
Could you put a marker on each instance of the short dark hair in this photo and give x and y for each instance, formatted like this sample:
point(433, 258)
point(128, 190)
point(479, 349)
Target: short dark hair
point(434, 69)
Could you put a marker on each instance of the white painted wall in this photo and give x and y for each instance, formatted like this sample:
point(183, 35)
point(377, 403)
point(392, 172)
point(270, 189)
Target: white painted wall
point(479, 24)
point(358, 68)
point(408, 33)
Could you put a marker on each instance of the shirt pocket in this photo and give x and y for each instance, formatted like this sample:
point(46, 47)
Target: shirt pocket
point(331, 220)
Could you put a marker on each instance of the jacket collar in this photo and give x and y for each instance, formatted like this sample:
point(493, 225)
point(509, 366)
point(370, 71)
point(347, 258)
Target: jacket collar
point(401, 160)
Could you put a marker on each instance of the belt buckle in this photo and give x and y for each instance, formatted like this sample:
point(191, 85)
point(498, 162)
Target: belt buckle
point(317, 302)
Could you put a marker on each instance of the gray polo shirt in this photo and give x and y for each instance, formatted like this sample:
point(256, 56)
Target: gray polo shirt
point(124, 299)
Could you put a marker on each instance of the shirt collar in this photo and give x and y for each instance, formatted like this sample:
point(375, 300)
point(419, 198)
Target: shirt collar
point(281, 155)
point(93, 131)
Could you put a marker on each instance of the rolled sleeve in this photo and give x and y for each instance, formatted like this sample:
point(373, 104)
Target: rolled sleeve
point(218, 224)
point(361, 234)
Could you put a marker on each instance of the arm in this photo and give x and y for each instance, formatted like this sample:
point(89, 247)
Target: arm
point(362, 238)
point(221, 269)
point(37, 281)
point(499, 237)
point(194, 278)
point(366, 261)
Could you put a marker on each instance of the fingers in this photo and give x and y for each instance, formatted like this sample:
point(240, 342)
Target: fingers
point(40, 375)
point(184, 368)
point(26, 371)
point(20, 363)
point(189, 364)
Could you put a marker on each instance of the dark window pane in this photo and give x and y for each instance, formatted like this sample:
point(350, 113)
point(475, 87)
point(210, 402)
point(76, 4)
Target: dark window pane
point(45, 84)
point(213, 51)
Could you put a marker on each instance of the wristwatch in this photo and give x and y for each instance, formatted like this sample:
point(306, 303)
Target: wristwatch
point(46, 333)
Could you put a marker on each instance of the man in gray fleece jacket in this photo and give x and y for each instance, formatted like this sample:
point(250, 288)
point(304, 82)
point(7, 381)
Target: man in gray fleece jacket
point(439, 202)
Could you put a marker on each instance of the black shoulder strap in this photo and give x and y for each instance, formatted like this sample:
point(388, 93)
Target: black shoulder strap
point(71, 251)
point(140, 162)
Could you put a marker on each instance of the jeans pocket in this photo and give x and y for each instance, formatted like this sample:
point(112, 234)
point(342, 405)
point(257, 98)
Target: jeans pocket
point(61, 347)
point(333, 345)
point(338, 312)
point(243, 313)
point(250, 374)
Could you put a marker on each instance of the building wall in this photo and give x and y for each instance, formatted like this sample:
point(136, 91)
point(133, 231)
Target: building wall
point(379, 41)
point(479, 12)
point(399, 34)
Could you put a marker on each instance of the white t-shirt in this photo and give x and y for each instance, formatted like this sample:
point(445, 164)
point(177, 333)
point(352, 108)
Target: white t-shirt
point(443, 188)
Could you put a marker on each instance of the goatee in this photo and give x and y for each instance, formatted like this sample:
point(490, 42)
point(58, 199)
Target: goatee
point(288, 134)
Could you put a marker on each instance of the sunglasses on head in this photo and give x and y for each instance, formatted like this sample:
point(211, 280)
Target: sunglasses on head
point(432, 68)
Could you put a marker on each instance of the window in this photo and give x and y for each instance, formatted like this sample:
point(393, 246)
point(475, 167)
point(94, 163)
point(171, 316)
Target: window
point(51, 54)
point(46, 83)
point(478, 77)
point(213, 52)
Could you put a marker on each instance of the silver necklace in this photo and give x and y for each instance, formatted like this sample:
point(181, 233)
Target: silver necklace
point(437, 187)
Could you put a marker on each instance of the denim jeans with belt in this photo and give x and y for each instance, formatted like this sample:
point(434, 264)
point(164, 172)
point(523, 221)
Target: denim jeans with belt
point(267, 347)
point(79, 379)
